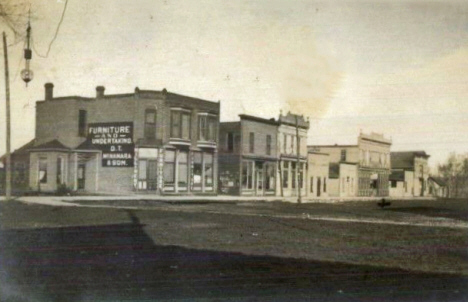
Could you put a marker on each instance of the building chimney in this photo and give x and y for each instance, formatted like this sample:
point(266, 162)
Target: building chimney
point(100, 91)
point(49, 91)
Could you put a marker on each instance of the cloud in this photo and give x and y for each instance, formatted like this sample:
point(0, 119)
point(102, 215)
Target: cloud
point(438, 87)
point(309, 81)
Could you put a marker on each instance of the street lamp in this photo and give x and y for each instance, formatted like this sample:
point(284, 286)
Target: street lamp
point(27, 76)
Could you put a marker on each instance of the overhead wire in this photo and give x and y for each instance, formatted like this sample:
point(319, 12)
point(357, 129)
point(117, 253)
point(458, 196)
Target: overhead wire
point(54, 37)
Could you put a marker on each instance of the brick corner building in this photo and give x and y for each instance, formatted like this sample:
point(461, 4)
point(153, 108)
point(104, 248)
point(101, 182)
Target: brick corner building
point(146, 141)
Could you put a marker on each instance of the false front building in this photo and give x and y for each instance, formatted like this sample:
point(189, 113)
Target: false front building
point(260, 156)
point(146, 141)
point(410, 174)
point(359, 170)
point(292, 165)
point(247, 156)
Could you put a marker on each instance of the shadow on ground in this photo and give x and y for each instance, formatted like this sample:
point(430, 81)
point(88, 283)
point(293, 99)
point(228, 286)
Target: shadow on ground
point(121, 262)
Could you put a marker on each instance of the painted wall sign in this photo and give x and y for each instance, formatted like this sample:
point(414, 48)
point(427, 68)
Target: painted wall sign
point(115, 140)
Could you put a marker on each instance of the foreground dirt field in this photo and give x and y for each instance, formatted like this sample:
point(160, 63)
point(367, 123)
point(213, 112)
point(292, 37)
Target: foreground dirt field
point(144, 251)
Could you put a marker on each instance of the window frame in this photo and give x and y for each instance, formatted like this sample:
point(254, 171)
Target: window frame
point(45, 168)
point(268, 144)
point(148, 125)
point(247, 175)
point(343, 155)
point(82, 122)
point(167, 162)
point(230, 141)
point(251, 142)
point(177, 126)
point(207, 127)
point(285, 172)
point(60, 173)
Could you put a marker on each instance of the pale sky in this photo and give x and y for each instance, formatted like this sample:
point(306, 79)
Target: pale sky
point(394, 67)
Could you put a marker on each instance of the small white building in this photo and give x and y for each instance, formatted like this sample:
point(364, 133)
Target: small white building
point(318, 169)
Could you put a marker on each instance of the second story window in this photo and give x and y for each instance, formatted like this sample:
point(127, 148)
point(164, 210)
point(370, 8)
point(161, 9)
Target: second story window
point(82, 123)
point(293, 144)
point(268, 144)
point(343, 155)
point(207, 127)
point(180, 124)
point(230, 141)
point(285, 143)
point(150, 123)
point(251, 142)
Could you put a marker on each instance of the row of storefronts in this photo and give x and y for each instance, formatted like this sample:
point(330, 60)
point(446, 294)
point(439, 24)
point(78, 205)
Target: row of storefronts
point(157, 142)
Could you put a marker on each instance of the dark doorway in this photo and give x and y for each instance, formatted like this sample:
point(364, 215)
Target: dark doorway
point(319, 185)
point(152, 173)
point(81, 176)
point(259, 178)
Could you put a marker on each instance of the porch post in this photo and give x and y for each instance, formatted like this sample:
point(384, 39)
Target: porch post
point(97, 172)
point(75, 177)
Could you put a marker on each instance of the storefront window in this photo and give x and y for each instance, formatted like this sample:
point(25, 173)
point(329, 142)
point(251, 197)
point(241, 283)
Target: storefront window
point(197, 169)
point(293, 174)
point(142, 170)
point(142, 164)
point(285, 174)
point(60, 170)
point(183, 169)
point(43, 170)
point(270, 176)
point(169, 167)
point(247, 174)
point(301, 176)
point(208, 161)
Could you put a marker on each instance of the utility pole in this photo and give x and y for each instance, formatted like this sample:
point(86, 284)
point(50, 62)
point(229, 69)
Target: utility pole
point(8, 129)
point(298, 166)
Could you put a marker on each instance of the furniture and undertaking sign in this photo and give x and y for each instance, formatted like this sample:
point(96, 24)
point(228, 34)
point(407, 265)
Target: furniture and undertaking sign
point(115, 140)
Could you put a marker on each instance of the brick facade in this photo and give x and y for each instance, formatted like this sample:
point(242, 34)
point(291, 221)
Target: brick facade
point(175, 143)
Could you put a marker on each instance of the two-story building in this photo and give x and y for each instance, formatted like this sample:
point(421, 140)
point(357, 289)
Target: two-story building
point(248, 156)
point(291, 171)
point(410, 173)
point(146, 141)
point(359, 170)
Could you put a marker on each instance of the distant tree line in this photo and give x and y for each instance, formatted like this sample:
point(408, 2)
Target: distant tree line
point(455, 173)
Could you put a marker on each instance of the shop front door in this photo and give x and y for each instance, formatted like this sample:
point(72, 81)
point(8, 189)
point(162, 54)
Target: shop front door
point(259, 177)
point(81, 176)
point(152, 175)
point(319, 185)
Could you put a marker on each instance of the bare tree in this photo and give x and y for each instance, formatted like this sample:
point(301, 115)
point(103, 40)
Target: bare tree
point(455, 173)
point(14, 15)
